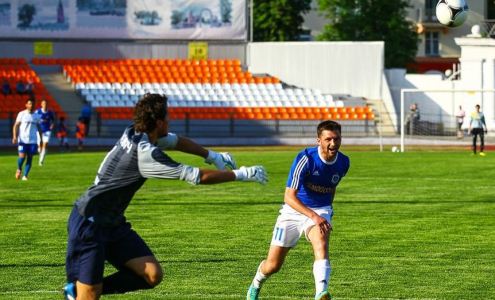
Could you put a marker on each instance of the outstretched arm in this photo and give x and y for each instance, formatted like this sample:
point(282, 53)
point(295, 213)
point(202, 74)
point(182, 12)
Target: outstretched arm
point(154, 163)
point(254, 173)
point(215, 176)
point(188, 146)
point(221, 160)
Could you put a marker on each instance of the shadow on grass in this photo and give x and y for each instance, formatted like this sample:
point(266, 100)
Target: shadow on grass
point(168, 262)
point(31, 265)
point(8, 203)
point(136, 202)
point(412, 202)
point(204, 260)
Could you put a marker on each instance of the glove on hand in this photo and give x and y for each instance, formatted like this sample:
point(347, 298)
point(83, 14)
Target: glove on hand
point(254, 173)
point(221, 160)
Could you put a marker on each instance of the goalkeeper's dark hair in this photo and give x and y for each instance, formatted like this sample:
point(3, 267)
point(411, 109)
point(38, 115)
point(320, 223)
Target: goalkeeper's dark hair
point(328, 125)
point(149, 109)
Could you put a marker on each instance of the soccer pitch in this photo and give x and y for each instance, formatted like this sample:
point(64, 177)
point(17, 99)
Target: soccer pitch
point(415, 225)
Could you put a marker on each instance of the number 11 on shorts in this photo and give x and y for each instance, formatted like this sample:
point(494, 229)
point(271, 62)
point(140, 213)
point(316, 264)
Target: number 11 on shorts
point(278, 234)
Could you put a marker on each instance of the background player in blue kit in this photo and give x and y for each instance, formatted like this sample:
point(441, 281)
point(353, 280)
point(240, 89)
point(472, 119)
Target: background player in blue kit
point(98, 230)
point(47, 125)
point(309, 194)
point(25, 134)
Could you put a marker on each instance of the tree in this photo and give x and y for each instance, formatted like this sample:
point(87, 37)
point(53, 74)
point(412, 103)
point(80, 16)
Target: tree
point(279, 20)
point(26, 15)
point(226, 11)
point(372, 20)
point(176, 18)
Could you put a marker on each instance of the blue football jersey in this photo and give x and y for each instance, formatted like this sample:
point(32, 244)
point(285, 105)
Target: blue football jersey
point(314, 179)
point(47, 119)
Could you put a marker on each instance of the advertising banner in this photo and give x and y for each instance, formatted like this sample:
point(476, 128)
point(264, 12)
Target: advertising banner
point(197, 50)
point(124, 19)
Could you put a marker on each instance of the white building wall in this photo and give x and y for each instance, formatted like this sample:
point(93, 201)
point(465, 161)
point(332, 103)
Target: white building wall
point(477, 72)
point(353, 68)
point(447, 45)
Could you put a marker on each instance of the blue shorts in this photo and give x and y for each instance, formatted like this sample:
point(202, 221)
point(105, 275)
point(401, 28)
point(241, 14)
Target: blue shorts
point(90, 245)
point(27, 148)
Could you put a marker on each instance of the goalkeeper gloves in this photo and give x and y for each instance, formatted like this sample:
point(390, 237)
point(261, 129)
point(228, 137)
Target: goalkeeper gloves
point(221, 160)
point(254, 173)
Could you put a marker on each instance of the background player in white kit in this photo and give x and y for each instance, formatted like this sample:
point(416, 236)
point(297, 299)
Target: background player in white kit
point(309, 193)
point(25, 133)
point(47, 124)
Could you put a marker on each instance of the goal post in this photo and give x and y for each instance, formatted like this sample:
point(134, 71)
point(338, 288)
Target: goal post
point(437, 109)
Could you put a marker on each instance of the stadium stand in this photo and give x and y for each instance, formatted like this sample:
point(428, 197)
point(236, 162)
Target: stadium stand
point(14, 70)
point(207, 98)
point(198, 89)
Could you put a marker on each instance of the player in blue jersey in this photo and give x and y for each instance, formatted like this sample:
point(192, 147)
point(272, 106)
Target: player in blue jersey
point(309, 194)
point(98, 230)
point(47, 124)
point(25, 134)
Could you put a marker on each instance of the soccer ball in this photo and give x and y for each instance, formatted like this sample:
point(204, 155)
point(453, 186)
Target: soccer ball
point(395, 149)
point(452, 13)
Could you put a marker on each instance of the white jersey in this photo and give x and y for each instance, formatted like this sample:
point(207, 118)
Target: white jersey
point(28, 129)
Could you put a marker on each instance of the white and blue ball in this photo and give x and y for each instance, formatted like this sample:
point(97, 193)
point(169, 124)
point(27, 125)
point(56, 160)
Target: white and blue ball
point(452, 13)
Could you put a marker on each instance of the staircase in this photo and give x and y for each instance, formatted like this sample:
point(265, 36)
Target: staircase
point(382, 116)
point(66, 96)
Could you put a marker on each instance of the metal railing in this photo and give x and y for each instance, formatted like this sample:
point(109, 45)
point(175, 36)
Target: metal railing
point(214, 128)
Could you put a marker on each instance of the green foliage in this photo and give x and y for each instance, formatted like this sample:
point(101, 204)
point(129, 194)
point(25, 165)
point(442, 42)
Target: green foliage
point(372, 20)
point(25, 15)
point(226, 10)
point(412, 225)
point(279, 20)
point(176, 17)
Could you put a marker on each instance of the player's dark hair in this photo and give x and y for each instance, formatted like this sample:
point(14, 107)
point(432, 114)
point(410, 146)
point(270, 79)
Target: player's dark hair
point(328, 125)
point(149, 109)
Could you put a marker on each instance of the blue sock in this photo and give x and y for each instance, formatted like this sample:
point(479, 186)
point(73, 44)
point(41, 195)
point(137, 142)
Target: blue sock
point(28, 165)
point(20, 161)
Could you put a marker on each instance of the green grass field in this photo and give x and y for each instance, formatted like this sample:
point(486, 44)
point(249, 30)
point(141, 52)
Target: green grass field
point(415, 225)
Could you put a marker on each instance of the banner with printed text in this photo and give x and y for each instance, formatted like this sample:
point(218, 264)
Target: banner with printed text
point(124, 19)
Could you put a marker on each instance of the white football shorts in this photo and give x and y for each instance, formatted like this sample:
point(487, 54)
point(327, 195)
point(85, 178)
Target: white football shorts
point(291, 225)
point(45, 137)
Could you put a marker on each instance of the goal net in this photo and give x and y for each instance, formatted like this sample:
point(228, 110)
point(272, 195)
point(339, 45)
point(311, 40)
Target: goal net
point(437, 114)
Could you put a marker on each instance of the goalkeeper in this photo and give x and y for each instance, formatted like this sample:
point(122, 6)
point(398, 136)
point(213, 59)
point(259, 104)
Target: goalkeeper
point(97, 227)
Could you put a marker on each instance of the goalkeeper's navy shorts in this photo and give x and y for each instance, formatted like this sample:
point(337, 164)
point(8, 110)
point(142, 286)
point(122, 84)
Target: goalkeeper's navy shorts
point(90, 245)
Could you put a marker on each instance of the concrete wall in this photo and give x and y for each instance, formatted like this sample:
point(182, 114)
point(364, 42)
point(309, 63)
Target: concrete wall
point(115, 49)
point(354, 68)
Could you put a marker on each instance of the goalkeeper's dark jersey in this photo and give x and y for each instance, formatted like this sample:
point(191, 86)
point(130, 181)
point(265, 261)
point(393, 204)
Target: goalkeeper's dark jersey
point(125, 168)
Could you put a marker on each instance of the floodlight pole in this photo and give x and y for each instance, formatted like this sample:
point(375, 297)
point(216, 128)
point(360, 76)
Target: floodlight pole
point(402, 91)
point(251, 26)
